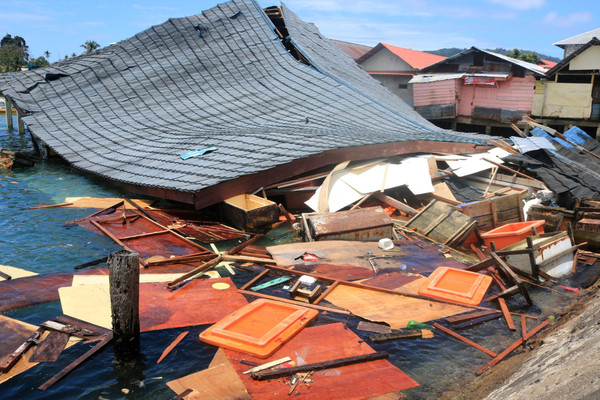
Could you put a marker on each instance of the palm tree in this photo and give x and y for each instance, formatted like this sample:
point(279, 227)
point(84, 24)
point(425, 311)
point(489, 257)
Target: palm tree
point(90, 45)
point(47, 55)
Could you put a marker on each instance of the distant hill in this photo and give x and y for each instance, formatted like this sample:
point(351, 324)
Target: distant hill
point(450, 51)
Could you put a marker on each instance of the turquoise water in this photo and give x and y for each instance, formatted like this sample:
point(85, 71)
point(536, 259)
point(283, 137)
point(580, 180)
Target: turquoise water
point(38, 240)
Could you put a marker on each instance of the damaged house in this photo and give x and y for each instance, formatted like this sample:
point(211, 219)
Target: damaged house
point(570, 93)
point(202, 108)
point(394, 66)
point(476, 87)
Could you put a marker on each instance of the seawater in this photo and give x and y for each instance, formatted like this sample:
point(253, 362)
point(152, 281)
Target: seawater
point(39, 241)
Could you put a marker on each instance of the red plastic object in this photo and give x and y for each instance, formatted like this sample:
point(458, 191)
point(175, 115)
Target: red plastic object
point(570, 289)
point(508, 234)
point(456, 285)
point(259, 328)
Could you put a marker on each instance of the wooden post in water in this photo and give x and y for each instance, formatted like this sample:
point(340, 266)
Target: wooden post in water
point(124, 277)
point(8, 104)
point(20, 124)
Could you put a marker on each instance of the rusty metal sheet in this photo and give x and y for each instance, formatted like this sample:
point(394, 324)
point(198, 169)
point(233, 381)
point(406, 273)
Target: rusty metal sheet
point(365, 224)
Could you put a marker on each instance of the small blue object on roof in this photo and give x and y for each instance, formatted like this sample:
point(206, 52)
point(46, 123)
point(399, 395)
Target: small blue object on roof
point(195, 153)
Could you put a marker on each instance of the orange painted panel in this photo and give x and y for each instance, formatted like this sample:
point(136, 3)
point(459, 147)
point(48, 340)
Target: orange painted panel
point(196, 303)
point(456, 285)
point(259, 328)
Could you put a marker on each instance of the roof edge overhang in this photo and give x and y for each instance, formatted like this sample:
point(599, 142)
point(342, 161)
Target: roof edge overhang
point(558, 67)
point(252, 182)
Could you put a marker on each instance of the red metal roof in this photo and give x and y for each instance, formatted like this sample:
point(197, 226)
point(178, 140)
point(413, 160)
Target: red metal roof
point(546, 64)
point(416, 59)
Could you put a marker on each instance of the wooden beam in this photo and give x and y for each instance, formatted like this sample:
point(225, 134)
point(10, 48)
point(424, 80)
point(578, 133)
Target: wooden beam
point(395, 203)
point(463, 339)
point(298, 303)
point(106, 338)
point(512, 347)
point(340, 362)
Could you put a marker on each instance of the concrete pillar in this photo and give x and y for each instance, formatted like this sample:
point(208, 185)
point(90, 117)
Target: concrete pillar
point(9, 122)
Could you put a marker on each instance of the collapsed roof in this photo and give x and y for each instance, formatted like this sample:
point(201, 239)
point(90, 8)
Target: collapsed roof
point(223, 79)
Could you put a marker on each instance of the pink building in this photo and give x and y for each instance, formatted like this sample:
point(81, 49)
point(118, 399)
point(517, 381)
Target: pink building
point(476, 87)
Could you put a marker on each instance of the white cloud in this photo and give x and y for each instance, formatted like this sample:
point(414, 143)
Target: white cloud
point(152, 8)
point(576, 18)
point(368, 32)
point(22, 17)
point(90, 24)
point(520, 4)
point(396, 8)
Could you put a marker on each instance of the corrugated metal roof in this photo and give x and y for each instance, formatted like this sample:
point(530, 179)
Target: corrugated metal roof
point(546, 64)
point(565, 61)
point(222, 78)
point(416, 59)
point(528, 66)
point(582, 38)
point(424, 78)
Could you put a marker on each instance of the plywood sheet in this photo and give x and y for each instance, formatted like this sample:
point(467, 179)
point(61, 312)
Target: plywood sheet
point(398, 309)
point(103, 279)
point(324, 343)
point(442, 190)
point(104, 202)
point(31, 290)
point(218, 381)
point(15, 272)
point(196, 303)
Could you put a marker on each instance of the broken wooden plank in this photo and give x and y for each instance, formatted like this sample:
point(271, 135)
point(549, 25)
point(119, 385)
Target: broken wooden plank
point(340, 362)
point(463, 339)
point(300, 303)
point(372, 327)
point(512, 347)
point(206, 265)
point(477, 321)
point(459, 319)
point(91, 263)
point(394, 335)
point(408, 210)
point(170, 347)
point(507, 317)
point(51, 206)
point(50, 348)
point(106, 338)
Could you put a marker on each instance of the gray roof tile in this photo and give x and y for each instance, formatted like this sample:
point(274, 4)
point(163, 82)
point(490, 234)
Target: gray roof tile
point(128, 111)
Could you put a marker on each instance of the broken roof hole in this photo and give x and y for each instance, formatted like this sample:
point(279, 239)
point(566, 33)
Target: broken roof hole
point(276, 16)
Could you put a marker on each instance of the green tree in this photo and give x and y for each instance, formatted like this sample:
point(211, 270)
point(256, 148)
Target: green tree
point(47, 55)
point(530, 57)
point(14, 53)
point(38, 62)
point(90, 45)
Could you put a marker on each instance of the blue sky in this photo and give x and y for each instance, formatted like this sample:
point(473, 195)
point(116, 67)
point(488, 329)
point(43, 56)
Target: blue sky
point(61, 26)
